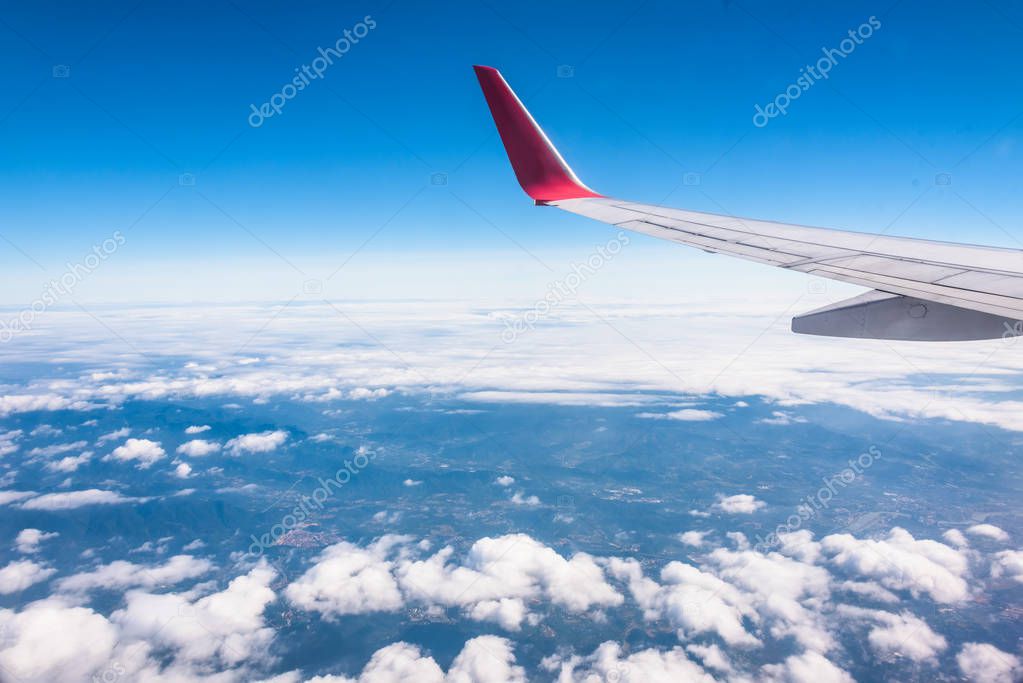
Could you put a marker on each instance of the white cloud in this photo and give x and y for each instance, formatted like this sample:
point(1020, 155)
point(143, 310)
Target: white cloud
point(115, 435)
point(70, 463)
point(262, 442)
point(411, 482)
point(901, 562)
point(77, 499)
point(693, 538)
point(504, 480)
point(183, 470)
point(1008, 563)
point(684, 415)
point(956, 538)
point(20, 574)
point(7, 497)
point(227, 627)
point(779, 417)
point(24, 403)
point(741, 503)
point(691, 600)
point(712, 657)
point(520, 498)
point(120, 574)
point(28, 540)
point(197, 429)
point(988, 531)
point(898, 635)
point(347, 579)
point(30, 652)
point(608, 663)
point(57, 449)
point(196, 448)
point(146, 452)
point(484, 659)
point(8, 441)
point(508, 567)
point(983, 663)
point(809, 667)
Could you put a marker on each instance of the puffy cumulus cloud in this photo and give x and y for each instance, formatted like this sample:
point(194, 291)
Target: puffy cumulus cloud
point(167, 637)
point(901, 562)
point(504, 480)
point(144, 451)
point(20, 574)
point(183, 470)
point(28, 540)
point(30, 652)
point(261, 442)
point(693, 538)
point(809, 667)
point(121, 574)
point(984, 663)
point(69, 463)
point(788, 595)
point(898, 635)
point(347, 579)
point(492, 582)
point(76, 499)
point(741, 503)
point(511, 567)
point(988, 531)
point(197, 429)
point(196, 448)
point(1008, 563)
point(226, 628)
point(691, 600)
point(485, 659)
point(956, 538)
point(607, 663)
point(712, 657)
point(520, 498)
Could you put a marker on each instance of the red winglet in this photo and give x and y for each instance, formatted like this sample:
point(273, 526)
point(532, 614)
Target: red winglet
point(541, 171)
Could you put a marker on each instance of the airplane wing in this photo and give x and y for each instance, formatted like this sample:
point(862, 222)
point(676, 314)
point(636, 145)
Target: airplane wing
point(921, 290)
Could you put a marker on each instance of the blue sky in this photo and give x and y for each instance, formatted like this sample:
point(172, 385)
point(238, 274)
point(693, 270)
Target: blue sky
point(658, 90)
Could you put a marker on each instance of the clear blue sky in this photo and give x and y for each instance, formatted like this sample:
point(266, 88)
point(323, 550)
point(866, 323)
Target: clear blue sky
point(658, 90)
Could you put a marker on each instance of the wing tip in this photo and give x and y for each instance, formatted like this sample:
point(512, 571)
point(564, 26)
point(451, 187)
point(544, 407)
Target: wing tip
point(539, 167)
